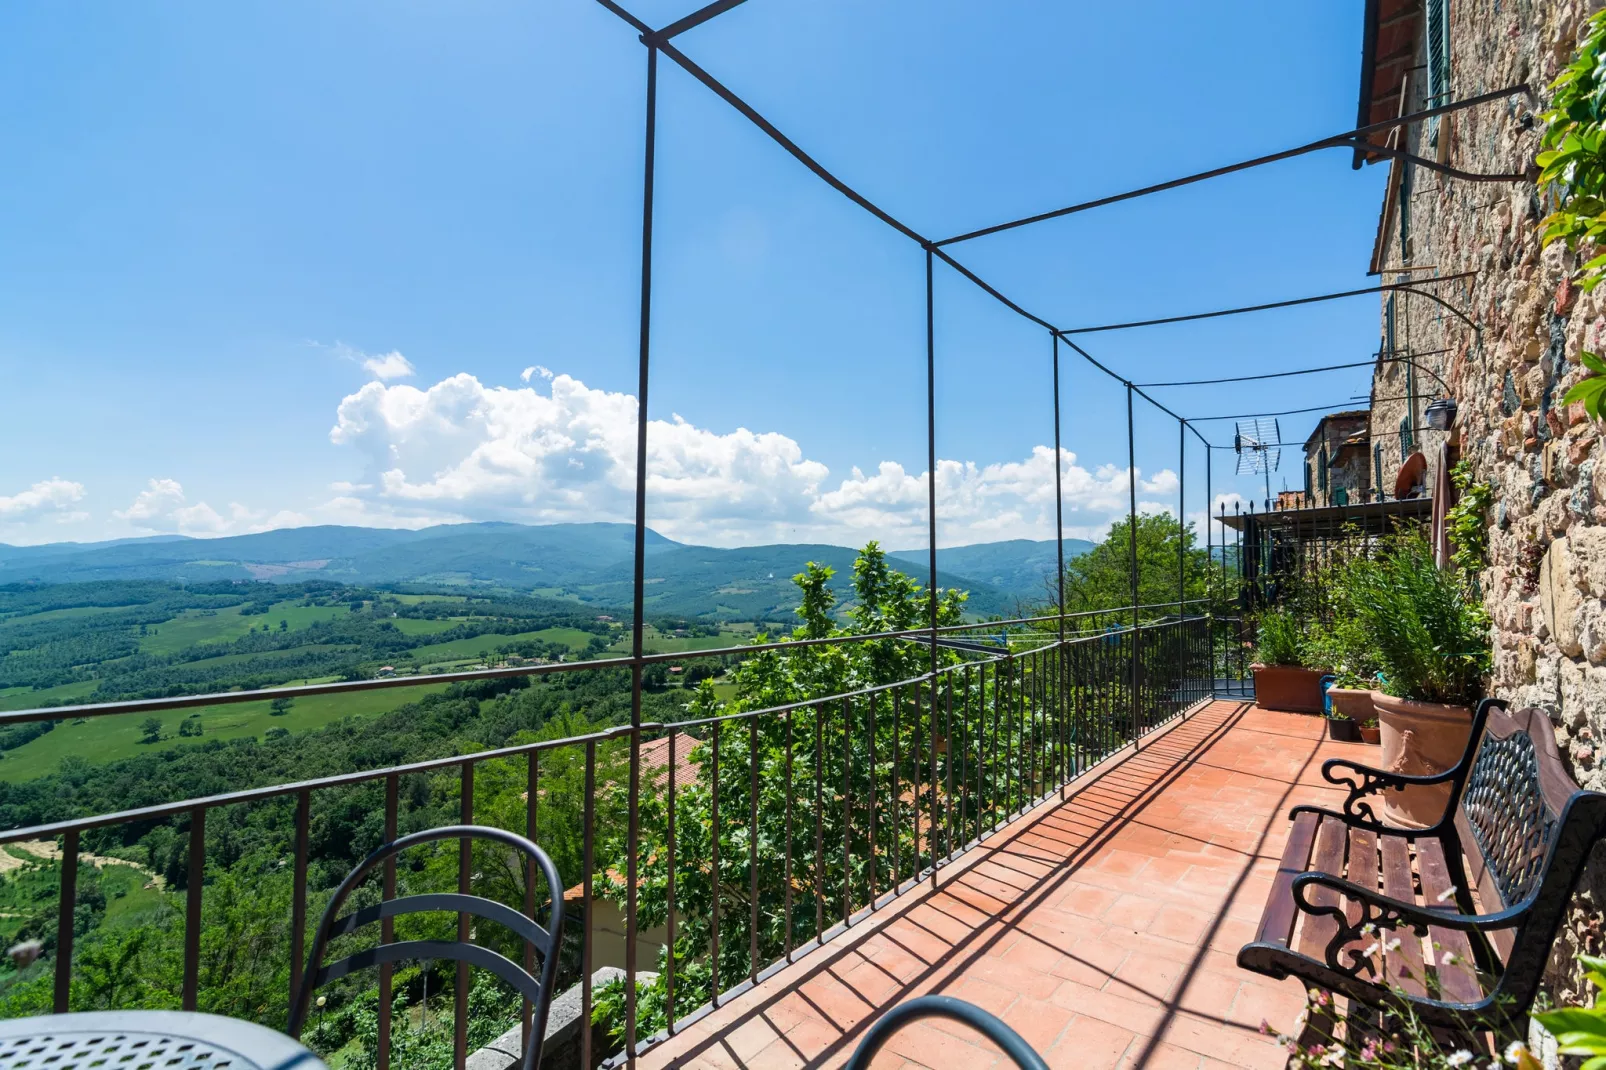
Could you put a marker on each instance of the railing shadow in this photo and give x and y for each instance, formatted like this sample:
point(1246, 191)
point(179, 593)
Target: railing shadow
point(1014, 862)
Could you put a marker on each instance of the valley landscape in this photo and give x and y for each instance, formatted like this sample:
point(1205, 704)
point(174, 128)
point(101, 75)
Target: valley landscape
point(170, 615)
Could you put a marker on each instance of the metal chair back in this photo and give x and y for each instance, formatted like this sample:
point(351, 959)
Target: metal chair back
point(544, 942)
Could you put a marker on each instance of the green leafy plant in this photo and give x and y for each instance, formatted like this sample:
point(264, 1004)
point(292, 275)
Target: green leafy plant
point(1430, 636)
point(1468, 518)
point(1571, 161)
point(1582, 1030)
point(1591, 391)
point(1280, 641)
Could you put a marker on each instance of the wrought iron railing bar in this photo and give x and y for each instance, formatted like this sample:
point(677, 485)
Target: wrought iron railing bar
point(787, 876)
point(847, 807)
point(465, 873)
point(669, 884)
point(588, 864)
point(298, 892)
point(387, 926)
point(752, 849)
point(873, 828)
point(713, 873)
point(195, 878)
point(532, 828)
point(67, 908)
point(895, 800)
point(819, 818)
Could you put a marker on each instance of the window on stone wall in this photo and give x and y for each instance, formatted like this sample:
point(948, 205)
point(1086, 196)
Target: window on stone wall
point(1321, 470)
point(1405, 227)
point(1437, 27)
point(1341, 496)
point(1377, 470)
point(1407, 440)
point(1307, 479)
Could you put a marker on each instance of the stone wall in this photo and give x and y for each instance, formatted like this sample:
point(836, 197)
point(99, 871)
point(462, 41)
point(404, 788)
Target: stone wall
point(1546, 579)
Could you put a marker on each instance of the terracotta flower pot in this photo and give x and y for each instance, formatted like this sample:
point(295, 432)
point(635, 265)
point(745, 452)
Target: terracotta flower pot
point(1288, 688)
point(1370, 733)
point(1419, 739)
point(1352, 702)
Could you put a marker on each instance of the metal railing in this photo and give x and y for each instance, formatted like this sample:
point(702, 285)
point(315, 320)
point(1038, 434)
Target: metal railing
point(790, 824)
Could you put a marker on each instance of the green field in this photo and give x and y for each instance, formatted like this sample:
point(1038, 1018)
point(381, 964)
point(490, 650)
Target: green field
point(223, 625)
point(420, 626)
point(26, 698)
point(658, 642)
point(104, 739)
point(469, 649)
point(57, 614)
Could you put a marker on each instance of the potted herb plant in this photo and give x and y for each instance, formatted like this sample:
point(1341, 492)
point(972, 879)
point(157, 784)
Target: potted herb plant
point(1430, 638)
point(1369, 729)
point(1343, 644)
point(1282, 682)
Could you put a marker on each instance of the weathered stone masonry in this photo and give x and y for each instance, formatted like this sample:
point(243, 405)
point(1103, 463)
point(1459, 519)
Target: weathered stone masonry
point(1545, 586)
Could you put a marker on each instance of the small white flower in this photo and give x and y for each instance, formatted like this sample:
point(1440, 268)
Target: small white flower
point(1460, 1058)
point(1373, 949)
point(1449, 958)
point(1368, 929)
point(1515, 1051)
point(1392, 945)
point(1445, 896)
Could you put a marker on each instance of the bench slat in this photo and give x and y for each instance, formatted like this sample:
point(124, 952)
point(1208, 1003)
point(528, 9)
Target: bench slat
point(1277, 920)
point(1318, 929)
point(1405, 964)
point(1362, 870)
point(1458, 981)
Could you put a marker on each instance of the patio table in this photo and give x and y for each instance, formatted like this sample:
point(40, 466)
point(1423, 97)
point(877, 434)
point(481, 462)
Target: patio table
point(132, 1040)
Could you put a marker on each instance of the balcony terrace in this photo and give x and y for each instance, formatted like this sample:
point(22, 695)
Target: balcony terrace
point(1102, 927)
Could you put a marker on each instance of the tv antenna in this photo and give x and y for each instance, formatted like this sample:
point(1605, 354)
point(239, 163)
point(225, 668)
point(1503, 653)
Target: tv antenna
point(1259, 446)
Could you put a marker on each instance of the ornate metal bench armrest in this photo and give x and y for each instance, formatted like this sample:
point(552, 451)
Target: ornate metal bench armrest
point(1379, 912)
point(1364, 782)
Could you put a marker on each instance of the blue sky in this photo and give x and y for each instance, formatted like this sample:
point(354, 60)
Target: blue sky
point(216, 215)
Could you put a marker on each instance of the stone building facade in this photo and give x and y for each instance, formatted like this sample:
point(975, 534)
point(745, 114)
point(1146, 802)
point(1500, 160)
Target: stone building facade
point(1337, 460)
point(1476, 246)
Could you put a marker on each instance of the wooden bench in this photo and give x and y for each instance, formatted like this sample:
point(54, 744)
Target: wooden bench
point(1455, 920)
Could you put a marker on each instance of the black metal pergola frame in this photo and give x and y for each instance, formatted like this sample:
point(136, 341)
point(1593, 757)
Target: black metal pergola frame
point(662, 41)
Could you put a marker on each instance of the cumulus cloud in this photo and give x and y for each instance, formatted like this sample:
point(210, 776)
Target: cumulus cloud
point(163, 507)
point(535, 369)
point(463, 450)
point(53, 495)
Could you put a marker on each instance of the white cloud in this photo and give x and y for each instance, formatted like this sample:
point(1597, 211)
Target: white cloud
point(388, 366)
point(382, 366)
point(163, 507)
point(48, 495)
point(462, 450)
point(535, 369)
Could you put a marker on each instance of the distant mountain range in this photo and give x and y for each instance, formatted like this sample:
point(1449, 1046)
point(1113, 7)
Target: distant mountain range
point(588, 562)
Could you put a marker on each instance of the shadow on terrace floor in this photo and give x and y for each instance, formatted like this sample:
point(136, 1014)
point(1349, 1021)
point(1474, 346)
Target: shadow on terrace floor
point(1102, 928)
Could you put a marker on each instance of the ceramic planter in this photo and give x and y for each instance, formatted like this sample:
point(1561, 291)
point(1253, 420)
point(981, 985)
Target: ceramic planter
point(1370, 734)
point(1288, 688)
point(1419, 739)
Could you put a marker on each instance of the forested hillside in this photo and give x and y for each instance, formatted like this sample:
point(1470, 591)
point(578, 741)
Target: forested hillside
point(591, 563)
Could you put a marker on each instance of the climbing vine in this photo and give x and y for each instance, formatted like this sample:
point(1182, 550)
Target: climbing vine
point(1572, 159)
point(1469, 521)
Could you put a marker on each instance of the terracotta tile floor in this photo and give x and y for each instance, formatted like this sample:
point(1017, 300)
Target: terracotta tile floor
point(1103, 928)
